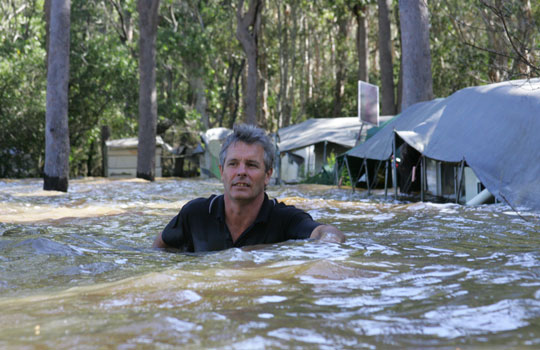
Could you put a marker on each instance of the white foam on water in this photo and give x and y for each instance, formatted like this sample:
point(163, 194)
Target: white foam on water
point(270, 299)
point(300, 334)
point(505, 315)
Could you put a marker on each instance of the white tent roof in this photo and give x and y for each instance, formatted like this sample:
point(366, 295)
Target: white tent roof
point(213, 134)
point(130, 142)
point(495, 128)
point(341, 131)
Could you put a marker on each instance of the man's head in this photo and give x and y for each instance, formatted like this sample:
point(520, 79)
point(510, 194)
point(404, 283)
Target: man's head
point(249, 134)
point(246, 161)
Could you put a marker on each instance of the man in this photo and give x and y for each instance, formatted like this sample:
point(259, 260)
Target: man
point(243, 215)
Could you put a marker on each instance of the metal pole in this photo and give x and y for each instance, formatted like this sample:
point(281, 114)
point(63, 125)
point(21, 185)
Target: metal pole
point(460, 180)
point(422, 177)
point(324, 152)
point(386, 179)
point(367, 177)
point(375, 175)
point(360, 172)
point(349, 171)
point(394, 168)
point(455, 184)
point(360, 135)
point(336, 172)
point(277, 160)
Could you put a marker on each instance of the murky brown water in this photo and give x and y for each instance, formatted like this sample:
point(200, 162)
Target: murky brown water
point(76, 272)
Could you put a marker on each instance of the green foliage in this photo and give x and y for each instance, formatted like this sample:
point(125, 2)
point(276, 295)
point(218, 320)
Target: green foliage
point(22, 102)
point(196, 44)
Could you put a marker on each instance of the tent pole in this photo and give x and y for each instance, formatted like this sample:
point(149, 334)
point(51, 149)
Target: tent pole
point(278, 160)
point(360, 134)
point(455, 185)
point(367, 177)
point(460, 180)
point(349, 172)
point(422, 178)
point(336, 172)
point(324, 152)
point(386, 179)
point(394, 168)
point(375, 175)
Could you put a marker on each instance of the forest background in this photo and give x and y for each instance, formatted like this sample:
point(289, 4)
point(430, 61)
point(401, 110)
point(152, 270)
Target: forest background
point(311, 55)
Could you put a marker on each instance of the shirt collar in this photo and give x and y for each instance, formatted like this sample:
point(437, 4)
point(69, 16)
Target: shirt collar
point(217, 209)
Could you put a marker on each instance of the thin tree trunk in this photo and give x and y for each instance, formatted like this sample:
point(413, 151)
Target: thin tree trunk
point(525, 30)
point(341, 67)
point(498, 57)
point(399, 97)
point(236, 103)
point(264, 112)
point(362, 42)
point(198, 86)
point(247, 32)
point(388, 104)
point(291, 79)
point(417, 79)
point(227, 100)
point(56, 171)
point(146, 151)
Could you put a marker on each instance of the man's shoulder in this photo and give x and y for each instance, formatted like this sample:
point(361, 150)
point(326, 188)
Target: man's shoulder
point(201, 204)
point(282, 208)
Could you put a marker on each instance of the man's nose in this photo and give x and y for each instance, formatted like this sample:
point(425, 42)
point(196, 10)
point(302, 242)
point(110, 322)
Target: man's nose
point(241, 170)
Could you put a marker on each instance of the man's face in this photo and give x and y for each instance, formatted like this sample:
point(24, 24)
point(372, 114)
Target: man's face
point(243, 172)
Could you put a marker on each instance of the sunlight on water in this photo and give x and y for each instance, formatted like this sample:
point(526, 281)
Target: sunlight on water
point(77, 272)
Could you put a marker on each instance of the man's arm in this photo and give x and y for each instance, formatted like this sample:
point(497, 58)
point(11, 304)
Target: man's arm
point(327, 233)
point(158, 242)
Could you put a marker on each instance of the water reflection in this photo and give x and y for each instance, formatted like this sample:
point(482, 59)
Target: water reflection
point(77, 272)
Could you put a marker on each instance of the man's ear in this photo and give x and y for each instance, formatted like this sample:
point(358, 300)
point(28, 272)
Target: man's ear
point(268, 176)
point(220, 171)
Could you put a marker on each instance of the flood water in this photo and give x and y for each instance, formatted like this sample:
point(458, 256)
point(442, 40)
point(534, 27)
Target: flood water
point(77, 272)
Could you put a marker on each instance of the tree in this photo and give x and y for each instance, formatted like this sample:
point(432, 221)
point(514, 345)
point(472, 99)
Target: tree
point(340, 62)
point(360, 12)
point(247, 33)
point(417, 79)
point(146, 151)
point(56, 171)
point(388, 105)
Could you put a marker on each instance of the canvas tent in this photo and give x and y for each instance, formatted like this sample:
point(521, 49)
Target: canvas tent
point(121, 157)
point(493, 128)
point(309, 143)
point(209, 159)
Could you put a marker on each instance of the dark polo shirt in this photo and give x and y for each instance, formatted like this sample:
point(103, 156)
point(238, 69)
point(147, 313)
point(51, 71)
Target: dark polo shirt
point(200, 226)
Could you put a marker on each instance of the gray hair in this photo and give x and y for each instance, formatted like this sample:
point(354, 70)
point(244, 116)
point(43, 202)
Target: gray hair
point(249, 134)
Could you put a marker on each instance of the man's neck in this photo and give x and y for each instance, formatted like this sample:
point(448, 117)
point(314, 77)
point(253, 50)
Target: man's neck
point(239, 215)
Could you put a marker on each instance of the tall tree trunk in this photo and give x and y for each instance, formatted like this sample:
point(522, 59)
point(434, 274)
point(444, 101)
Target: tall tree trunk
point(287, 31)
point(263, 112)
point(362, 41)
point(56, 171)
point(399, 97)
point(498, 55)
point(526, 40)
point(247, 32)
point(388, 104)
point(341, 66)
point(201, 104)
point(291, 80)
point(198, 86)
point(146, 151)
point(417, 79)
point(307, 90)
